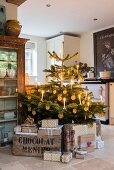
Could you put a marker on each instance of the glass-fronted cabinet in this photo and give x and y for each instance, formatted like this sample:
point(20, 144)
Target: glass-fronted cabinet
point(12, 79)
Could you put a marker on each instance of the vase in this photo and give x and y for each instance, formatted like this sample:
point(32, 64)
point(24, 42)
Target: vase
point(11, 73)
point(12, 28)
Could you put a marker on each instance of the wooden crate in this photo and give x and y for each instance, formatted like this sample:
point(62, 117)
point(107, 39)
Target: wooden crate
point(34, 145)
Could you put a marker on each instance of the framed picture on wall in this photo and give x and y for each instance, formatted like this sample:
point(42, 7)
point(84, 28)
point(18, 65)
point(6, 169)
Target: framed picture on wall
point(104, 51)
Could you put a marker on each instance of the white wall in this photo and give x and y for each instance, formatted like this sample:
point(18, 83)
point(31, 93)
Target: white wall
point(11, 10)
point(86, 49)
point(41, 60)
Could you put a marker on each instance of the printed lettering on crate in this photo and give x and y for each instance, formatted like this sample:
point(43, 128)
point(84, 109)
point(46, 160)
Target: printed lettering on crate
point(30, 144)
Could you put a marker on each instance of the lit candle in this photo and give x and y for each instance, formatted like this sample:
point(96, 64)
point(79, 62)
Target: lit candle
point(16, 90)
point(79, 96)
point(64, 100)
point(86, 91)
point(79, 81)
point(101, 97)
point(72, 82)
point(88, 105)
point(77, 68)
point(42, 95)
point(61, 81)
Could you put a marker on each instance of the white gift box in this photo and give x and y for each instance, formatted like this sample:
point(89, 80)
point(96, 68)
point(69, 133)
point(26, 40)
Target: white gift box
point(99, 144)
point(66, 157)
point(47, 156)
point(52, 156)
point(49, 123)
point(17, 129)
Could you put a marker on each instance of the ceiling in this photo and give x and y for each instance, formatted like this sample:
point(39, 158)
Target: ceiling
point(65, 16)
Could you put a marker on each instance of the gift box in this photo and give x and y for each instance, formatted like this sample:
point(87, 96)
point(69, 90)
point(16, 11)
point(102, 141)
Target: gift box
point(47, 155)
point(51, 123)
point(17, 129)
point(56, 156)
point(99, 143)
point(52, 156)
point(50, 131)
point(87, 142)
point(29, 128)
point(80, 130)
point(80, 154)
point(66, 157)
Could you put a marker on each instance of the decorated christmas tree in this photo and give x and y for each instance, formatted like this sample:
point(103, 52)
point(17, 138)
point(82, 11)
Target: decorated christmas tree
point(63, 97)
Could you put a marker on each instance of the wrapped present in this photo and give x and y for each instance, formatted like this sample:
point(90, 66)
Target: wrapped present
point(51, 123)
point(80, 154)
point(87, 142)
point(47, 155)
point(29, 128)
point(56, 156)
point(66, 157)
point(99, 142)
point(98, 128)
point(50, 131)
point(52, 156)
point(80, 130)
point(17, 129)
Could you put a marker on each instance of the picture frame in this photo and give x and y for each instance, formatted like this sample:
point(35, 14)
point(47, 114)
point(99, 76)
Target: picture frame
point(104, 51)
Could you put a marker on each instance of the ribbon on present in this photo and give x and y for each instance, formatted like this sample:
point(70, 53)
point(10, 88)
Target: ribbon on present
point(66, 157)
point(87, 144)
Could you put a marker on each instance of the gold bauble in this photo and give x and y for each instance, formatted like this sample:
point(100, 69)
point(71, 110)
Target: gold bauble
point(90, 116)
point(73, 97)
point(54, 91)
point(68, 72)
point(74, 111)
point(47, 107)
point(32, 91)
point(54, 78)
point(39, 90)
point(59, 98)
point(60, 116)
point(64, 91)
point(34, 112)
point(62, 74)
point(29, 109)
point(39, 104)
point(29, 97)
point(57, 59)
point(90, 125)
point(101, 114)
point(83, 102)
point(86, 108)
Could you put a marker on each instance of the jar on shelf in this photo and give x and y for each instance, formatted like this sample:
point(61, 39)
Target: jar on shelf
point(12, 28)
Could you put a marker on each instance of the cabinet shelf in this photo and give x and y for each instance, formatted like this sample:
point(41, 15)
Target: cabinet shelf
point(5, 97)
point(9, 110)
point(7, 61)
point(7, 120)
point(9, 78)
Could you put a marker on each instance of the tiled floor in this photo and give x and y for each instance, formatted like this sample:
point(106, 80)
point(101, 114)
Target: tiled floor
point(101, 159)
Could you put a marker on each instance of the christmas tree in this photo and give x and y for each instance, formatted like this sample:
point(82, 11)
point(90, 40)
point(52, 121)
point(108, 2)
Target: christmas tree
point(62, 98)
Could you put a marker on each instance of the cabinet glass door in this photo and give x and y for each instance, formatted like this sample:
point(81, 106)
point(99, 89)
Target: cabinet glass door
point(8, 99)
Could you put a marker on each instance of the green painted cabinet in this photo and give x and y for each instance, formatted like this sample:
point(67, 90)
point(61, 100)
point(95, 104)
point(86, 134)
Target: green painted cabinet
point(12, 79)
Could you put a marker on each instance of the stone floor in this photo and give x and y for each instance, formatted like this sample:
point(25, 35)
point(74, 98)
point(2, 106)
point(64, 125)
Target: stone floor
point(101, 159)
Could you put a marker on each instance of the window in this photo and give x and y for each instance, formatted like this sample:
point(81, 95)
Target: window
point(31, 58)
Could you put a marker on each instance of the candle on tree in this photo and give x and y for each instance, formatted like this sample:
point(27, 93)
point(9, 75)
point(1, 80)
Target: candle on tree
point(64, 100)
point(77, 68)
point(101, 97)
point(72, 82)
point(79, 96)
point(42, 95)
